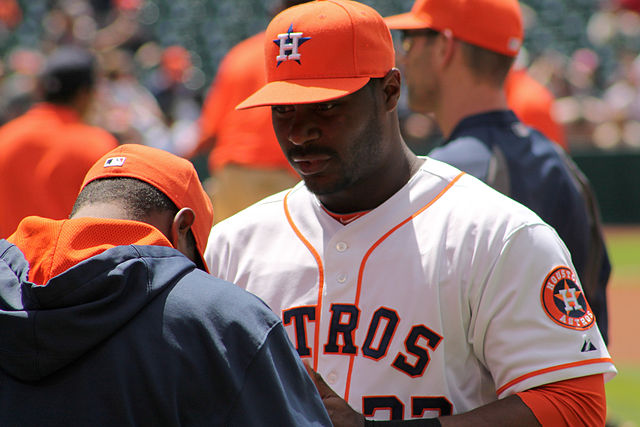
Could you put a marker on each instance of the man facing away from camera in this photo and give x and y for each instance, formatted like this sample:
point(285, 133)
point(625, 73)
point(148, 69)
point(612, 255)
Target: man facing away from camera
point(110, 318)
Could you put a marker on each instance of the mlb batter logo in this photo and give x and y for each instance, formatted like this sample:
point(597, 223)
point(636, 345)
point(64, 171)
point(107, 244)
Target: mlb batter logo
point(564, 302)
point(114, 161)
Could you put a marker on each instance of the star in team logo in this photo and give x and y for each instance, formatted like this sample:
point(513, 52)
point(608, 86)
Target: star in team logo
point(569, 296)
point(289, 43)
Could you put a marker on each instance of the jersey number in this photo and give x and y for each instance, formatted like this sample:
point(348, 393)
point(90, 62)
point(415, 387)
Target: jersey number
point(419, 405)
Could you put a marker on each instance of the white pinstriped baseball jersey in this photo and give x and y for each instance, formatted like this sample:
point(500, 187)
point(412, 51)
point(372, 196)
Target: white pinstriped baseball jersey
point(442, 299)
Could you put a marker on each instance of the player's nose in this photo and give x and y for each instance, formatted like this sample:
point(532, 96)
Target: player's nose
point(302, 129)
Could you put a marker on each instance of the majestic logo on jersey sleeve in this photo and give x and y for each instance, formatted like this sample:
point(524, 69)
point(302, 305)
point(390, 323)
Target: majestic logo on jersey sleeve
point(289, 43)
point(564, 301)
point(587, 346)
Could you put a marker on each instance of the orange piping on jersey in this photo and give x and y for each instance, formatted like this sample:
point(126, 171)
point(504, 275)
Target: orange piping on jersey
point(551, 369)
point(315, 254)
point(372, 248)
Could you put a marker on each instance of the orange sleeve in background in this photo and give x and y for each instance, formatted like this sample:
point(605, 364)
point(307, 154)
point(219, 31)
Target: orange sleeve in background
point(532, 102)
point(240, 73)
point(243, 137)
point(574, 402)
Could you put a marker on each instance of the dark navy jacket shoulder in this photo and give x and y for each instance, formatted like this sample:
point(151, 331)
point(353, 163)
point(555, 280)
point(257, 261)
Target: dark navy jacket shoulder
point(138, 336)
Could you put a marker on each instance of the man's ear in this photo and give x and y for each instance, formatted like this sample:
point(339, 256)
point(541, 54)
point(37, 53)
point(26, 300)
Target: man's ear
point(447, 45)
point(180, 226)
point(391, 84)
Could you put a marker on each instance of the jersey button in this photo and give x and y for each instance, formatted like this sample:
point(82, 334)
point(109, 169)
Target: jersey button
point(341, 246)
point(342, 277)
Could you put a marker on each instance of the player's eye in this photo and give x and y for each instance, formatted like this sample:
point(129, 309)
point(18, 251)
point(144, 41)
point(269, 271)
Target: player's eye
point(282, 109)
point(326, 106)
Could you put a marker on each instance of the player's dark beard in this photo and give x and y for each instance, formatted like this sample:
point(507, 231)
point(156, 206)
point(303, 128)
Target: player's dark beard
point(306, 150)
point(354, 165)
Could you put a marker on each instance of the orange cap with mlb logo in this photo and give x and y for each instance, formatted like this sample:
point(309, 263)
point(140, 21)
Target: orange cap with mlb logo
point(322, 50)
point(174, 176)
point(495, 25)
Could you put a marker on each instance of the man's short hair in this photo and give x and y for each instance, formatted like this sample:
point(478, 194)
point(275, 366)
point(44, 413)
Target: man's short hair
point(487, 65)
point(68, 70)
point(137, 198)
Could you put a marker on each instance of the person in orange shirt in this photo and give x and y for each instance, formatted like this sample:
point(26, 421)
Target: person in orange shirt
point(533, 104)
point(245, 160)
point(45, 153)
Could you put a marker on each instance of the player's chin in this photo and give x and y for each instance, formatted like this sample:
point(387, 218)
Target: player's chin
point(321, 185)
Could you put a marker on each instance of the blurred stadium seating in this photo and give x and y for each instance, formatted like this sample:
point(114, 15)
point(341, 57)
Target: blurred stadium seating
point(584, 51)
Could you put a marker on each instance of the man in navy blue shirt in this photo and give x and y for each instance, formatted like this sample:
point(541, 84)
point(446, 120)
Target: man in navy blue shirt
point(456, 58)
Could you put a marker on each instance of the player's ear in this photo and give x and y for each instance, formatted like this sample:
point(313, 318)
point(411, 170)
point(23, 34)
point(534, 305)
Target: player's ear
point(391, 84)
point(180, 226)
point(446, 46)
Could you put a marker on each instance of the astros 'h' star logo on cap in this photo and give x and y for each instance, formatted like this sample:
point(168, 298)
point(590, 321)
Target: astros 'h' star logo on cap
point(299, 42)
point(564, 301)
point(289, 43)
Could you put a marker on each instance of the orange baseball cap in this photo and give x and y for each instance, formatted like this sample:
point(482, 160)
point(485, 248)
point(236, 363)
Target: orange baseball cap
point(173, 175)
point(492, 24)
point(322, 50)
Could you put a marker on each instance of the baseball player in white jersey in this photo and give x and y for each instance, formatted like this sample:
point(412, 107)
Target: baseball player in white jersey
point(415, 290)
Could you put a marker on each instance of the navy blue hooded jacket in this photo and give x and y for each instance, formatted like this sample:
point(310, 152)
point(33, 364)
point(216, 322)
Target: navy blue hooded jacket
point(136, 335)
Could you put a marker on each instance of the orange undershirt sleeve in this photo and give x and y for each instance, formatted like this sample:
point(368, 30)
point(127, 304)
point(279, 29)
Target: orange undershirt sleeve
point(574, 402)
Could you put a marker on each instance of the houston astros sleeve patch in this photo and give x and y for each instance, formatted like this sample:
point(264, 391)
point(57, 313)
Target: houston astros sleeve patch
point(564, 301)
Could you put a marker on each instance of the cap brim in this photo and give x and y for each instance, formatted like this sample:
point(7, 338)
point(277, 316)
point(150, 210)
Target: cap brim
point(406, 21)
point(303, 91)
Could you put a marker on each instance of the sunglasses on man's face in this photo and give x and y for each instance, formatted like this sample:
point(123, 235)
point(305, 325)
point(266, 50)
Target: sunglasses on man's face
point(408, 37)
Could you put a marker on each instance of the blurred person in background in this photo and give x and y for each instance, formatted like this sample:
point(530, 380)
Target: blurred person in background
point(167, 82)
point(458, 72)
point(630, 4)
point(10, 15)
point(174, 82)
point(133, 111)
point(245, 160)
point(45, 153)
point(118, 24)
point(18, 82)
point(125, 107)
